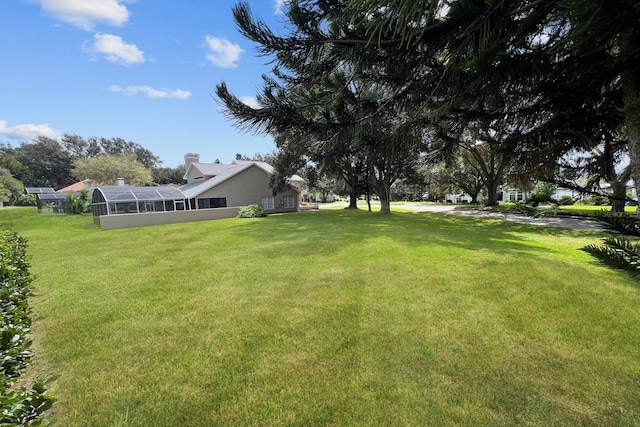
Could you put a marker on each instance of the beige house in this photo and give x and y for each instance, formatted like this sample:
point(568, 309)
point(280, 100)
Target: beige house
point(241, 183)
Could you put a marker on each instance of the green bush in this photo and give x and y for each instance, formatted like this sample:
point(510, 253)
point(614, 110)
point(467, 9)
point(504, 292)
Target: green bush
point(541, 194)
point(252, 211)
point(24, 406)
point(26, 200)
point(596, 201)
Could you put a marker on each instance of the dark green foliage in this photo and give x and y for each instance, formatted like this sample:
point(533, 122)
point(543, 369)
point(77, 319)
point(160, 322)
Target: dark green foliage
point(622, 222)
point(252, 211)
point(47, 163)
point(541, 194)
point(169, 175)
point(27, 200)
point(618, 252)
point(24, 406)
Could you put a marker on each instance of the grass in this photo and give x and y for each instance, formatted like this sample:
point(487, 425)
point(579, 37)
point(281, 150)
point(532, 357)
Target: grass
point(592, 210)
point(331, 318)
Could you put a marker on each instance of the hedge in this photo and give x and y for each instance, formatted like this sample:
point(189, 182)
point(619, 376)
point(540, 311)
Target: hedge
point(18, 406)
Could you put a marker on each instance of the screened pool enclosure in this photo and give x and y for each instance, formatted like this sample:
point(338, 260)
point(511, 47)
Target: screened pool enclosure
point(120, 200)
point(53, 202)
point(39, 190)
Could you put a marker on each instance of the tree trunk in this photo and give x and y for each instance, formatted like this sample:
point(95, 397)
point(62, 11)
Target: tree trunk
point(353, 195)
point(631, 99)
point(353, 200)
point(633, 135)
point(384, 191)
point(619, 195)
point(492, 192)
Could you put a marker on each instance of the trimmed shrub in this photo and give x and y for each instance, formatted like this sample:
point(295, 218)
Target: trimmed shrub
point(252, 211)
point(27, 200)
point(24, 406)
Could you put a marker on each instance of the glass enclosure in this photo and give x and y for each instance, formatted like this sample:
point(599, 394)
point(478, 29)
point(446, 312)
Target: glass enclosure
point(52, 202)
point(119, 200)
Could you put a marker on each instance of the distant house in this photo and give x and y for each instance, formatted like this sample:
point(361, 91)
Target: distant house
point(85, 184)
point(213, 191)
point(50, 201)
point(241, 183)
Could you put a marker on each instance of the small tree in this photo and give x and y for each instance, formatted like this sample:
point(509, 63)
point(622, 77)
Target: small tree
point(78, 203)
point(12, 187)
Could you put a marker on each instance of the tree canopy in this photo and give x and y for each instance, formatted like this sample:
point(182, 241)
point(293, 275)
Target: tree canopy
point(108, 168)
point(47, 162)
point(537, 77)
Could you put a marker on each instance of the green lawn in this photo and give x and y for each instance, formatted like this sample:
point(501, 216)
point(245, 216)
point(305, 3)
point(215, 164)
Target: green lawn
point(331, 318)
point(592, 210)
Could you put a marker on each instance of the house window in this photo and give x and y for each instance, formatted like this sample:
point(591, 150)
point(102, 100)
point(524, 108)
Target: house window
point(288, 202)
point(267, 202)
point(516, 196)
point(212, 202)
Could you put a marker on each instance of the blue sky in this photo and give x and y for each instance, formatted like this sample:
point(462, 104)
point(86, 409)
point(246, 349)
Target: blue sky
point(142, 70)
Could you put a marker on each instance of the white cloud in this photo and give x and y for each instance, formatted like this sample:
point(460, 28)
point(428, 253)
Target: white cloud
point(251, 101)
point(28, 132)
point(222, 52)
point(87, 13)
point(151, 92)
point(115, 50)
point(278, 7)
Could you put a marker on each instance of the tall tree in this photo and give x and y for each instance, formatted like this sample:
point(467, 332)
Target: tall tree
point(9, 162)
point(81, 148)
point(542, 72)
point(47, 162)
point(334, 119)
point(169, 175)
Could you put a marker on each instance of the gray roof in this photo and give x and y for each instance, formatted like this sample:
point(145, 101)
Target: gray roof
point(209, 169)
point(219, 173)
point(52, 196)
point(195, 189)
point(266, 166)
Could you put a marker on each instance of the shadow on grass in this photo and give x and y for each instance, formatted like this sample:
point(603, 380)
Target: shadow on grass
point(498, 244)
point(338, 229)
